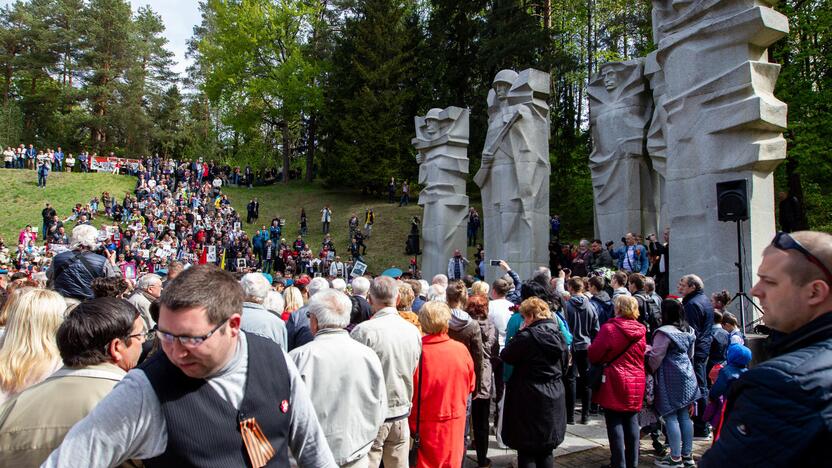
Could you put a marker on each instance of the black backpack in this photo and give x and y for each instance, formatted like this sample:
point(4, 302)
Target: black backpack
point(649, 313)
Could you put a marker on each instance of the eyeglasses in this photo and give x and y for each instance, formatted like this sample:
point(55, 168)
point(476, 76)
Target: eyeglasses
point(144, 335)
point(784, 241)
point(185, 340)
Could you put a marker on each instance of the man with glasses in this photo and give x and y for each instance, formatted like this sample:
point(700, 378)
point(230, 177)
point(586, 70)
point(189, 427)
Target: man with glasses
point(215, 396)
point(99, 341)
point(779, 413)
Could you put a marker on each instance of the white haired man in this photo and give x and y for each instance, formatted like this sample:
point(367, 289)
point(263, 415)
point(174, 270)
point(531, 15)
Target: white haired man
point(297, 326)
point(440, 279)
point(256, 319)
point(148, 289)
point(699, 313)
point(339, 284)
point(436, 292)
point(398, 345)
point(72, 272)
point(344, 378)
point(362, 310)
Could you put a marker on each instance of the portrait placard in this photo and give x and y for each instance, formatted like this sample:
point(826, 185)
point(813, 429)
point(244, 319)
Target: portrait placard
point(358, 269)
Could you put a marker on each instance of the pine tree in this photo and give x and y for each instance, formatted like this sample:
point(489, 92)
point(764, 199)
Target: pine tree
point(146, 79)
point(368, 110)
point(107, 39)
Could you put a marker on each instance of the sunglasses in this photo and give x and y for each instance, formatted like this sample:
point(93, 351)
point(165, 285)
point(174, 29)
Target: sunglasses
point(784, 241)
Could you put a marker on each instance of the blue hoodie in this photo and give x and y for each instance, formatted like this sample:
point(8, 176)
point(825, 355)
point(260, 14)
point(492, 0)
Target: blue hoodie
point(737, 364)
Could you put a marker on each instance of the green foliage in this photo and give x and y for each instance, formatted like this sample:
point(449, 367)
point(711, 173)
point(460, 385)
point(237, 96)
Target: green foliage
point(805, 84)
point(10, 126)
point(87, 75)
point(252, 57)
point(368, 114)
point(274, 80)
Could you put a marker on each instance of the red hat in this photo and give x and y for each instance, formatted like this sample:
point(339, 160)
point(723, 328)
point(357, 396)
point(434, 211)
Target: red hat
point(303, 281)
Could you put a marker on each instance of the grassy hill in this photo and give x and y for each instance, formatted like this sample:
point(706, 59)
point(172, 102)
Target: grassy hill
point(385, 248)
point(21, 202)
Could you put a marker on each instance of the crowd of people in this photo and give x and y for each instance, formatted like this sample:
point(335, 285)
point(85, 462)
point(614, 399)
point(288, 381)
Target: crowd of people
point(109, 340)
point(178, 214)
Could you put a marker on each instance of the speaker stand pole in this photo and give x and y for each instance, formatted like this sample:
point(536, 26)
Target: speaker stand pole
point(741, 294)
point(739, 264)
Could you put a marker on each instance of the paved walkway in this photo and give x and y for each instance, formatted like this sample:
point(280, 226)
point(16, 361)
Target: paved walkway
point(584, 446)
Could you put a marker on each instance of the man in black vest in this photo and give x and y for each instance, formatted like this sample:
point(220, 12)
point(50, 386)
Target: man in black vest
point(72, 272)
point(214, 396)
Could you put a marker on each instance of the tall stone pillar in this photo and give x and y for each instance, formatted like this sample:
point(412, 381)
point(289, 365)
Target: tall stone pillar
point(723, 123)
point(442, 145)
point(514, 176)
point(622, 179)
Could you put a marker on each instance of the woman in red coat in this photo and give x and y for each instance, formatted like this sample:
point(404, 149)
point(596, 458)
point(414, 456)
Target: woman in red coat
point(621, 344)
point(447, 378)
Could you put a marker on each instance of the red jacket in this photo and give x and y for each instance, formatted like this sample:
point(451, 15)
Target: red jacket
point(447, 380)
point(623, 389)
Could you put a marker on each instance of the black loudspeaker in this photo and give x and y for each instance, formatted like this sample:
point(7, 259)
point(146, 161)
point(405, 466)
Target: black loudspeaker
point(732, 200)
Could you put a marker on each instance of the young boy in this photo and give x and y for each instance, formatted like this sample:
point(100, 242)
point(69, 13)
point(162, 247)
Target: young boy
point(736, 364)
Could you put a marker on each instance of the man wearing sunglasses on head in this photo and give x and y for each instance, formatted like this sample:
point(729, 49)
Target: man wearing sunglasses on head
point(215, 396)
point(779, 413)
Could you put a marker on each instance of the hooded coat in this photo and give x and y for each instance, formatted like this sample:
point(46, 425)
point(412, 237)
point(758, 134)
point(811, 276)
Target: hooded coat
point(534, 408)
point(737, 364)
point(623, 388)
point(676, 385)
point(582, 320)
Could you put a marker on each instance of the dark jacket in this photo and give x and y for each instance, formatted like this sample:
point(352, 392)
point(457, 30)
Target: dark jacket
point(699, 313)
point(514, 294)
point(603, 307)
point(534, 408)
point(298, 332)
point(719, 345)
point(582, 320)
point(780, 412)
point(580, 264)
point(464, 329)
point(602, 259)
point(71, 277)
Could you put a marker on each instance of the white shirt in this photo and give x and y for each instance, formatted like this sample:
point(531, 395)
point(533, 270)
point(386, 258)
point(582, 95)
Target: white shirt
point(499, 312)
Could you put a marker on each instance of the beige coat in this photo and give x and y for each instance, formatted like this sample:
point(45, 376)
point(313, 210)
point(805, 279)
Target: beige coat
point(34, 423)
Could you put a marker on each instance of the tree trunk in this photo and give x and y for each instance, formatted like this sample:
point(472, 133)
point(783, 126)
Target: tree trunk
point(284, 127)
point(7, 88)
point(310, 147)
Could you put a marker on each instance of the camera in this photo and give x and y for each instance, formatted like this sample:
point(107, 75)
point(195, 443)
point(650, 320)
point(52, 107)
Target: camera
point(495, 262)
